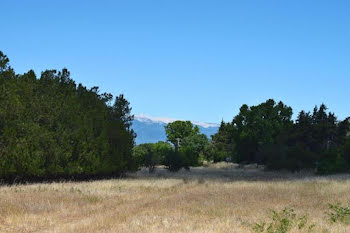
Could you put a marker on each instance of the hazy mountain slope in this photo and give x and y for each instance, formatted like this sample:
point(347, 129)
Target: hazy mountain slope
point(151, 129)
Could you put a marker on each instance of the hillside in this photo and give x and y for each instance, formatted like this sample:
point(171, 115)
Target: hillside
point(151, 129)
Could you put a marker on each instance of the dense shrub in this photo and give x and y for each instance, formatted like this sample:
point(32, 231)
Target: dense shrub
point(175, 161)
point(219, 156)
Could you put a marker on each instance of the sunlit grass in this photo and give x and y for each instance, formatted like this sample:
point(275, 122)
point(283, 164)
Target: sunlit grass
point(166, 202)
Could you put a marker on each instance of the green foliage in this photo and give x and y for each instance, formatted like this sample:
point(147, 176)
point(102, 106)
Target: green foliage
point(332, 162)
point(339, 213)
point(293, 158)
point(175, 160)
point(259, 125)
point(300, 157)
point(161, 150)
point(265, 134)
point(223, 144)
point(5, 68)
point(275, 156)
point(221, 156)
point(144, 155)
point(51, 127)
point(178, 130)
point(284, 221)
point(193, 146)
point(251, 129)
point(152, 154)
point(189, 145)
point(346, 151)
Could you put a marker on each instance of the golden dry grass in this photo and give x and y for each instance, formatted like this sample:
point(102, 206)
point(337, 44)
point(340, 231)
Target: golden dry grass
point(203, 200)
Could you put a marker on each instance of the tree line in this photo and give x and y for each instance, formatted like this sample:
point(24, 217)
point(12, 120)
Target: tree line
point(262, 134)
point(51, 127)
point(266, 134)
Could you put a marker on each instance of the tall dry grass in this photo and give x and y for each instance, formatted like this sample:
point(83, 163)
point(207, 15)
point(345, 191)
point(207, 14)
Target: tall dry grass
point(202, 200)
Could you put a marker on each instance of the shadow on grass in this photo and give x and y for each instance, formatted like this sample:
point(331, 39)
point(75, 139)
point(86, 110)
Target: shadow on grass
point(224, 174)
point(15, 180)
point(233, 174)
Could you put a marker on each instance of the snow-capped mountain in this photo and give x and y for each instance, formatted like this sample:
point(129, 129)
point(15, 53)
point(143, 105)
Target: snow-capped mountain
point(151, 129)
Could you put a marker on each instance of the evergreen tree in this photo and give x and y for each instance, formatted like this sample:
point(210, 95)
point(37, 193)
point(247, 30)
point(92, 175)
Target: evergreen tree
point(51, 127)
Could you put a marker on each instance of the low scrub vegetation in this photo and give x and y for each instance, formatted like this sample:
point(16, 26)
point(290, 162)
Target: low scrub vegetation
point(339, 214)
point(284, 221)
point(287, 220)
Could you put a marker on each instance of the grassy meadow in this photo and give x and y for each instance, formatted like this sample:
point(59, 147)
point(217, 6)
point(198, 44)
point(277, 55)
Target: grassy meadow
point(206, 199)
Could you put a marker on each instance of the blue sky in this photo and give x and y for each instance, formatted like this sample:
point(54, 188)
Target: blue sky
point(196, 60)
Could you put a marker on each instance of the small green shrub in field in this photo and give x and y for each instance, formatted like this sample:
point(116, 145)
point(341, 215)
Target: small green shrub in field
point(283, 222)
point(339, 213)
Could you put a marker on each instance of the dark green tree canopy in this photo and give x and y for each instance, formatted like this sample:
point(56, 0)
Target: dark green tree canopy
point(4, 62)
point(178, 130)
point(51, 127)
point(266, 134)
point(189, 144)
point(256, 126)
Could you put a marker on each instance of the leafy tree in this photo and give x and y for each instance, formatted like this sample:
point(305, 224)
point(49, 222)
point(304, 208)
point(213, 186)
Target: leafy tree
point(189, 144)
point(223, 144)
point(195, 145)
point(146, 155)
point(178, 130)
point(332, 162)
point(152, 154)
point(253, 128)
point(266, 134)
point(161, 150)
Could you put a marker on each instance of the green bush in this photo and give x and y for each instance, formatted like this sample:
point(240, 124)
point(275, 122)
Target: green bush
point(146, 156)
point(339, 213)
point(219, 156)
point(284, 221)
point(175, 160)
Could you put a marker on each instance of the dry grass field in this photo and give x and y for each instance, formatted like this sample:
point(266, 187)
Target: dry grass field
point(211, 199)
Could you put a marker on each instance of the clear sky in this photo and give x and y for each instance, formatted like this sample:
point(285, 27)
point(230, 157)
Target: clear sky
point(188, 59)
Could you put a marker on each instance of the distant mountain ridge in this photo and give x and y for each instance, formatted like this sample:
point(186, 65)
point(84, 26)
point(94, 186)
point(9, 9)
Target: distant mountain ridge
point(151, 129)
